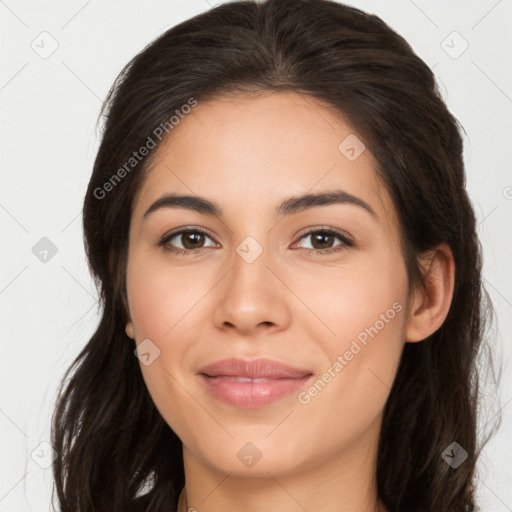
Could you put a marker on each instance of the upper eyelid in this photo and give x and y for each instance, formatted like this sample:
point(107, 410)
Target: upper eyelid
point(336, 231)
point(181, 231)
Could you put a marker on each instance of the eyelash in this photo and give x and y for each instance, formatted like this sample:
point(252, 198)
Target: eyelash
point(346, 242)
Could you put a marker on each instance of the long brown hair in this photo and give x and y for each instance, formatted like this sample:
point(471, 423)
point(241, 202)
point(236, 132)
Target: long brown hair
point(110, 438)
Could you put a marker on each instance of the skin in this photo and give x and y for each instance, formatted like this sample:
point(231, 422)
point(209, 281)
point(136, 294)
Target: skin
point(248, 154)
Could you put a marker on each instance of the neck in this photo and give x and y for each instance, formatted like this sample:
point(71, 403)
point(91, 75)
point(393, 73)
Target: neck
point(340, 481)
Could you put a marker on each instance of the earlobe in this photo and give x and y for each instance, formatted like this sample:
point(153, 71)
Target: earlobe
point(430, 307)
point(129, 330)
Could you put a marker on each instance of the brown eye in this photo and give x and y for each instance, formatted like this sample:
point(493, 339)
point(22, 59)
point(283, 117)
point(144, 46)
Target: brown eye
point(192, 239)
point(185, 241)
point(323, 241)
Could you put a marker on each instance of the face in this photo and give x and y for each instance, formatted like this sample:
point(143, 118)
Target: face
point(318, 286)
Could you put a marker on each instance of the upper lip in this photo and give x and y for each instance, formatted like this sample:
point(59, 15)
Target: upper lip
point(257, 368)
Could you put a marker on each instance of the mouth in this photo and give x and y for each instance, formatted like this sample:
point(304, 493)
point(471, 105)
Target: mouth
point(256, 369)
point(252, 384)
point(241, 379)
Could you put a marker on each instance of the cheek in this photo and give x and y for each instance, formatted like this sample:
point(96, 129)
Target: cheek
point(353, 299)
point(161, 298)
point(362, 310)
point(161, 303)
point(165, 304)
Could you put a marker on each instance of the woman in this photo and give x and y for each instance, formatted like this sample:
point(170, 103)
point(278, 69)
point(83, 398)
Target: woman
point(235, 367)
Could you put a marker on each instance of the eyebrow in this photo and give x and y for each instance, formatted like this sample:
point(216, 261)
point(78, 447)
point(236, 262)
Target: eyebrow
point(291, 205)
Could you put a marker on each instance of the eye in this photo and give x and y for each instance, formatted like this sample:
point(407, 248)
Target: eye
point(322, 240)
point(192, 240)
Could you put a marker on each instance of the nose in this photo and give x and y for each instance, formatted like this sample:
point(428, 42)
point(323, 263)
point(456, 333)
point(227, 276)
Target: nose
point(251, 296)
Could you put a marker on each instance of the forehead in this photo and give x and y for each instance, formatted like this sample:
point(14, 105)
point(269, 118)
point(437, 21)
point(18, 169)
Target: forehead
point(250, 152)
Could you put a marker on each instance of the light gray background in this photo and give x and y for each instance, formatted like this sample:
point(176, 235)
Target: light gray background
point(49, 109)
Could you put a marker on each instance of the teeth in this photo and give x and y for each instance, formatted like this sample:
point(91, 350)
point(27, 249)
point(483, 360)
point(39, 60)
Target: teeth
point(244, 379)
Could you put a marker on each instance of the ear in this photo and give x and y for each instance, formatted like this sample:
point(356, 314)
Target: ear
point(129, 330)
point(129, 324)
point(429, 308)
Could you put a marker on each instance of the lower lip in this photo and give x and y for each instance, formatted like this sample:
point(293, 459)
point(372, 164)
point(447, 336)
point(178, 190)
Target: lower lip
point(252, 394)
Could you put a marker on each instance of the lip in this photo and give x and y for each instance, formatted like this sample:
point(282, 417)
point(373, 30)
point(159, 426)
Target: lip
point(256, 369)
point(252, 384)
